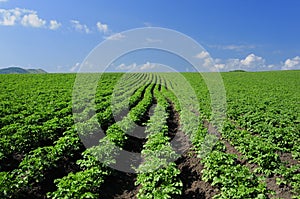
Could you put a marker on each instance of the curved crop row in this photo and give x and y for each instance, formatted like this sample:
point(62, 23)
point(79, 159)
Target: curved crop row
point(35, 164)
point(158, 175)
point(86, 183)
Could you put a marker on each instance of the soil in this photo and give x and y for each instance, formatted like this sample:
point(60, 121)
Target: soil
point(12, 162)
point(287, 157)
point(180, 142)
point(190, 175)
point(40, 190)
point(281, 191)
point(188, 164)
point(121, 185)
point(284, 156)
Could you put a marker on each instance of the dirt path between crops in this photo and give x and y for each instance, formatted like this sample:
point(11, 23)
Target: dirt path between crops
point(188, 164)
point(281, 191)
point(193, 187)
point(121, 185)
point(284, 156)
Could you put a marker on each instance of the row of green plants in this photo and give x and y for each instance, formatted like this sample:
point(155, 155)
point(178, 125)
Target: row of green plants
point(158, 174)
point(22, 96)
point(29, 137)
point(263, 153)
point(36, 115)
point(34, 166)
point(262, 119)
point(97, 159)
point(266, 104)
point(221, 169)
point(46, 139)
point(126, 92)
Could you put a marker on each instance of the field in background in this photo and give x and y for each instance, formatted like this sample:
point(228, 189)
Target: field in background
point(255, 156)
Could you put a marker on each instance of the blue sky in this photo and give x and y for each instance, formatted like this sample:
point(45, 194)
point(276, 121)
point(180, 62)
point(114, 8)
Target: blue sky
point(58, 35)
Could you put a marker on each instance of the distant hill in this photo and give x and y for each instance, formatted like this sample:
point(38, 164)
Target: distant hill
point(17, 70)
point(237, 71)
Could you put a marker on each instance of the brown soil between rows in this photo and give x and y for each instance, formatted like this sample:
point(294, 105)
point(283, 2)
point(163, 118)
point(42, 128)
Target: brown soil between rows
point(188, 164)
point(284, 156)
point(288, 158)
point(281, 191)
point(121, 184)
point(190, 175)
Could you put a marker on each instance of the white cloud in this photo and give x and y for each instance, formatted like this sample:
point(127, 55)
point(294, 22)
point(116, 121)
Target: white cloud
point(154, 67)
point(102, 27)
point(251, 62)
point(117, 36)
point(32, 20)
point(202, 55)
point(80, 27)
point(3, 1)
point(10, 17)
point(220, 66)
point(208, 62)
point(22, 17)
point(8, 20)
point(126, 67)
point(148, 66)
point(54, 25)
point(292, 64)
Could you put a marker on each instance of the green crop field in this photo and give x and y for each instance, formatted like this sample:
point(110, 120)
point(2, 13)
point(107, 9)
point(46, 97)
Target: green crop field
point(255, 154)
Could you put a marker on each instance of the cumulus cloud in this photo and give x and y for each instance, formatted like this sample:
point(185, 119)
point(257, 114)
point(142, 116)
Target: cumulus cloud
point(148, 66)
point(102, 27)
point(54, 25)
point(117, 36)
point(251, 62)
point(126, 67)
point(10, 17)
point(24, 17)
point(33, 20)
point(80, 27)
point(220, 66)
point(292, 64)
point(205, 57)
point(202, 55)
point(154, 67)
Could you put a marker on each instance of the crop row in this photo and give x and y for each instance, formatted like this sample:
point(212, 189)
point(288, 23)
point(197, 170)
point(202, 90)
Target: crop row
point(158, 175)
point(36, 163)
point(220, 168)
point(86, 183)
point(263, 153)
